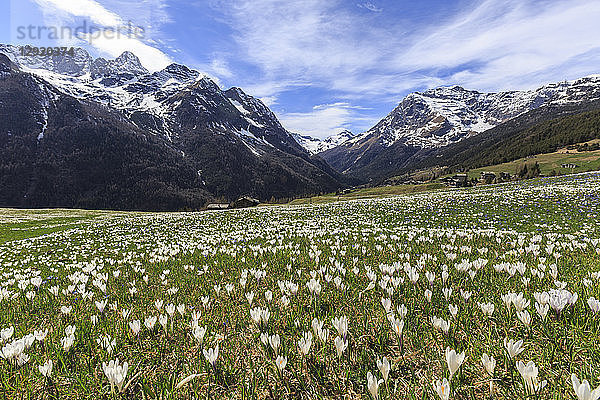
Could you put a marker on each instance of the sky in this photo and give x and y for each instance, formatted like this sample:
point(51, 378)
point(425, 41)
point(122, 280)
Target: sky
point(328, 65)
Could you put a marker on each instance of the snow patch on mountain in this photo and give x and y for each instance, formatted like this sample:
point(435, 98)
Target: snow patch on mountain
point(239, 106)
point(315, 145)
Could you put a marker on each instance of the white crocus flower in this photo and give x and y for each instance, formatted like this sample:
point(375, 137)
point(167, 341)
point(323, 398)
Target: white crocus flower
point(46, 368)
point(442, 388)
point(135, 327)
point(489, 363)
point(211, 355)
point(305, 343)
point(529, 373)
point(384, 368)
point(115, 374)
point(454, 360)
point(513, 348)
point(340, 345)
point(583, 390)
point(281, 362)
point(373, 385)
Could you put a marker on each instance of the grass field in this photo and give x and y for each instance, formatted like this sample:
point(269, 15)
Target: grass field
point(306, 301)
point(370, 193)
point(585, 161)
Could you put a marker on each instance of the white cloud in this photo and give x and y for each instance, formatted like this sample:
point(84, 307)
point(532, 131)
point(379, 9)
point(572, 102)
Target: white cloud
point(269, 90)
point(323, 120)
point(82, 8)
point(149, 56)
point(306, 40)
point(64, 12)
point(370, 6)
point(269, 101)
point(491, 44)
point(509, 43)
point(220, 68)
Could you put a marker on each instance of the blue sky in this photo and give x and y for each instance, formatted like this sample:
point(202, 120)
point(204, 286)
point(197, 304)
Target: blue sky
point(323, 66)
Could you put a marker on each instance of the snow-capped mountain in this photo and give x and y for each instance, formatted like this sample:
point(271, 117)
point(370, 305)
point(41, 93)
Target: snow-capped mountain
point(231, 141)
point(446, 115)
point(315, 145)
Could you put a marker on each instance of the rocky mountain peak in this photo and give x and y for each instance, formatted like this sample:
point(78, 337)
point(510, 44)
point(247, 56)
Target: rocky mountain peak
point(127, 63)
point(180, 72)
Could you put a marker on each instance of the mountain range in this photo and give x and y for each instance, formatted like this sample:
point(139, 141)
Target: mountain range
point(109, 134)
point(96, 133)
point(442, 118)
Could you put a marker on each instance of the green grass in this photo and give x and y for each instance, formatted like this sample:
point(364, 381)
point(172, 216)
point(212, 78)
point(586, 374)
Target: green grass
point(210, 261)
point(19, 224)
point(370, 193)
point(586, 161)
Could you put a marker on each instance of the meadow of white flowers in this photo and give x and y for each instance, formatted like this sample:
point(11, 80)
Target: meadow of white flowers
point(484, 293)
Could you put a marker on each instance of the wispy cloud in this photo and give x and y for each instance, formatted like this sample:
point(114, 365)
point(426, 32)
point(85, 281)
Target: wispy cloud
point(80, 8)
point(323, 120)
point(370, 6)
point(510, 44)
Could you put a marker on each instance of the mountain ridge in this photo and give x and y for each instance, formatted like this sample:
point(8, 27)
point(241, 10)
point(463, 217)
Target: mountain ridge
point(316, 145)
point(443, 116)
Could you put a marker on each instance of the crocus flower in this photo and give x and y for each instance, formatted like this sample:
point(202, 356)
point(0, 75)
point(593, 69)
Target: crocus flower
point(135, 327)
point(198, 333)
point(67, 342)
point(373, 385)
point(211, 355)
point(115, 374)
point(384, 368)
point(150, 322)
point(489, 363)
point(281, 362)
point(305, 342)
point(513, 348)
point(46, 368)
point(454, 360)
point(442, 388)
point(275, 341)
point(529, 373)
point(341, 325)
point(583, 390)
point(340, 345)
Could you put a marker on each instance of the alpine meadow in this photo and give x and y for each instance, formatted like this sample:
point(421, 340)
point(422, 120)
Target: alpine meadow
point(493, 295)
point(299, 200)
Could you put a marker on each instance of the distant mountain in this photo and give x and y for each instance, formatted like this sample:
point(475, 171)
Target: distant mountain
point(315, 145)
point(78, 132)
point(444, 116)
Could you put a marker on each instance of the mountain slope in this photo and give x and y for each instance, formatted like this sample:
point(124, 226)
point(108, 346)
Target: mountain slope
point(442, 117)
point(537, 132)
point(172, 138)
